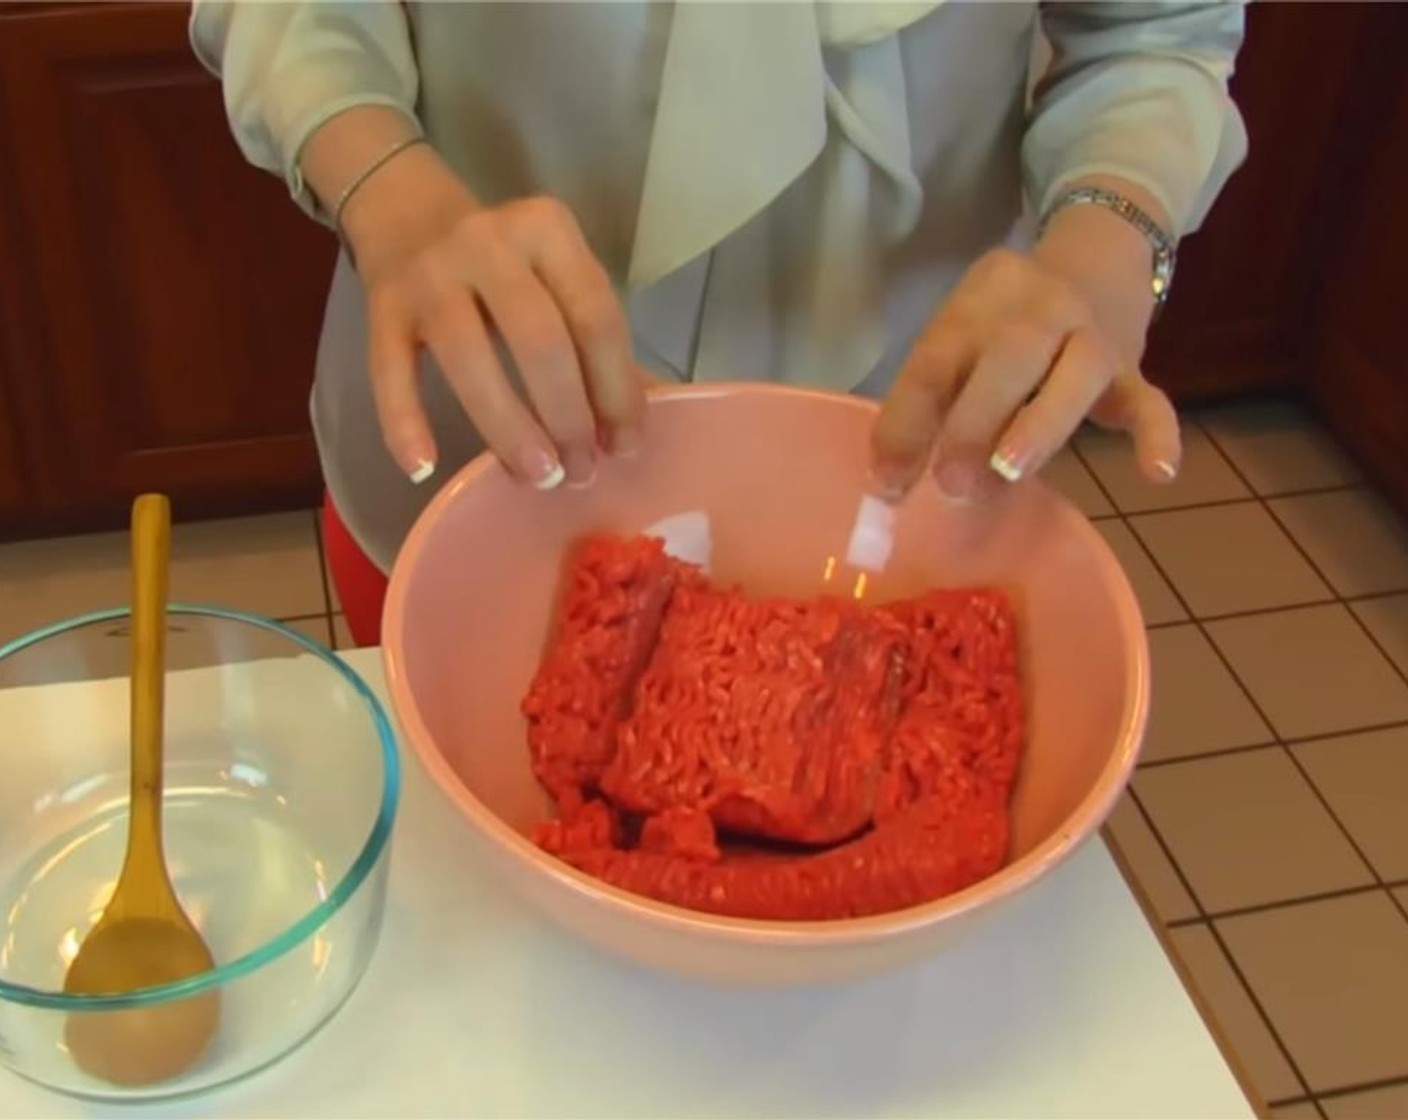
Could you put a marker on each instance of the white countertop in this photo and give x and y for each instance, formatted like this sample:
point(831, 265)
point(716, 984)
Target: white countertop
point(1063, 1006)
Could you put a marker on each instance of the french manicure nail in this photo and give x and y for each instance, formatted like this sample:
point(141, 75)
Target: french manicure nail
point(1167, 469)
point(625, 442)
point(542, 470)
point(579, 469)
point(957, 480)
point(1010, 463)
point(886, 483)
point(424, 468)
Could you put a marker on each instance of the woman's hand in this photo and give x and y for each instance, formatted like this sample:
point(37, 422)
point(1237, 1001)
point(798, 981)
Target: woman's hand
point(1024, 350)
point(444, 272)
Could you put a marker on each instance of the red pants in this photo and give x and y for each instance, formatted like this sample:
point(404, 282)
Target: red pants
point(360, 586)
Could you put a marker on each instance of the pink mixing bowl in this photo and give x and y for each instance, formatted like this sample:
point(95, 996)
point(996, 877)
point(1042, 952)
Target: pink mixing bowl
point(766, 481)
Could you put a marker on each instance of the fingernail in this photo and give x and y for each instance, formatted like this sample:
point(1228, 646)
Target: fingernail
point(542, 470)
point(424, 468)
point(1167, 469)
point(625, 442)
point(958, 481)
point(579, 468)
point(887, 483)
point(1010, 462)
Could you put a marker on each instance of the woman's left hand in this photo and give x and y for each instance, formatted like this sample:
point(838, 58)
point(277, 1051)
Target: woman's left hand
point(1024, 350)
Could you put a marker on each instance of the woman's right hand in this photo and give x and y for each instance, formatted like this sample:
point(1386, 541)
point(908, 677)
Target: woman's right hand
point(444, 272)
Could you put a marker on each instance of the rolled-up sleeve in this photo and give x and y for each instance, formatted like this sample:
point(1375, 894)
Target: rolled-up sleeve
point(1138, 90)
point(286, 68)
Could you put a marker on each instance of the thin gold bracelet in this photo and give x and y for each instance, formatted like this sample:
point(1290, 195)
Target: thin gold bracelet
point(366, 173)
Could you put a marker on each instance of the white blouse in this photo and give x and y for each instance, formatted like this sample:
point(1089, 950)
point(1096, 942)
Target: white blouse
point(782, 191)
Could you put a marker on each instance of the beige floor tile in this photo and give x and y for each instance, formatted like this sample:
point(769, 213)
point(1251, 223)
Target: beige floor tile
point(1204, 475)
point(1069, 475)
point(1333, 977)
point(1157, 601)
point(1302, 1110)
point(268, 565)
point(1230, 558)
point(1247, 829)
point(1401, 893)
point(1387, 620)
point(1312, 670)
point(1235, 1015)
point(1278, 447)
point(1355, 538)
point(1146, 861)
point(1197, 705)
point(1365, 780)
point(1374, 1104)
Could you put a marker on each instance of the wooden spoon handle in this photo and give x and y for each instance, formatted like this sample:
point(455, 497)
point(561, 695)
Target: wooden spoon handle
point(151, 547)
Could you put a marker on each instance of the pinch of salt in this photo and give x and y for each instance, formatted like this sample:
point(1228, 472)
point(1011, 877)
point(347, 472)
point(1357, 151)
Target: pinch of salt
point(873, 535)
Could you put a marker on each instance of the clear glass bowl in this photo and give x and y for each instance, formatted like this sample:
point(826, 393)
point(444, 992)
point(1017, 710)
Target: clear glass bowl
point(281, 787)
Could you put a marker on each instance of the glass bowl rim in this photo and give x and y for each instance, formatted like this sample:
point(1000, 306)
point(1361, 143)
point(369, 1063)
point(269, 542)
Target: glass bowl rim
point(372, 850)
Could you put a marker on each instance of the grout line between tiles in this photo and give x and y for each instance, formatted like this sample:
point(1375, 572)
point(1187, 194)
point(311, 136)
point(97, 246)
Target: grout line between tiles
point(1328, 601)
point(323, 575)
point(1397, 902)
point(1227, 616)
point(1213, 503)
point(1199, 756)
point(1168, 855)
point(1287, 1102)
point(1344, 600)
point(1364, 1087)
point(1199, 622)
point(1285, 903)
point(1217, 937)
point(1319, 737)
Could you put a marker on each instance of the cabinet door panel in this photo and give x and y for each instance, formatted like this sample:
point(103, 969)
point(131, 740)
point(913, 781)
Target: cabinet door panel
point(181, 290)
point(12, 482)
point(1360, 376)
point(1236, 316)
point(19, 499)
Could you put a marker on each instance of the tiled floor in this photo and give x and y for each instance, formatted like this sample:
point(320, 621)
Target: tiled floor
point(1268, 823)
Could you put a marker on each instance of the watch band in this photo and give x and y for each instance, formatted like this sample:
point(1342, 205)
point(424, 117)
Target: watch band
point(1162, 245)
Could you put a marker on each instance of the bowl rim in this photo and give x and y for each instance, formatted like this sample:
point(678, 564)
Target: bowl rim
point(1080, 824)
point(373, 848)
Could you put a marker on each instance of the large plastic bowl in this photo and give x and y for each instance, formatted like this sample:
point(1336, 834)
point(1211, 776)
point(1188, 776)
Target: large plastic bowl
point(281, 781)
point(779, 474)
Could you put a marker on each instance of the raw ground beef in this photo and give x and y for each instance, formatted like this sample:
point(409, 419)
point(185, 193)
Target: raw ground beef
point(609, 619)
point(771, 716)
point(772, 758)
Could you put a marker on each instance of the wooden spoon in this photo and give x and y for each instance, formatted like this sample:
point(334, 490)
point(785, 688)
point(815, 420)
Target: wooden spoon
point(143, 938)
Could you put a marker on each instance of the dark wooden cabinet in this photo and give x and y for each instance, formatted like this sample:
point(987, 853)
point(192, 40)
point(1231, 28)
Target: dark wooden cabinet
point(19, 489)
point(1358, 368)
point(12, 474)
point(1238, 313)
point(170, 292)
point(160, 299)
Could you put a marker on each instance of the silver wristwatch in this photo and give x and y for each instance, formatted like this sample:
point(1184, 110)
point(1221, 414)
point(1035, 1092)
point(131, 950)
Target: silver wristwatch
point(1164, 250)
